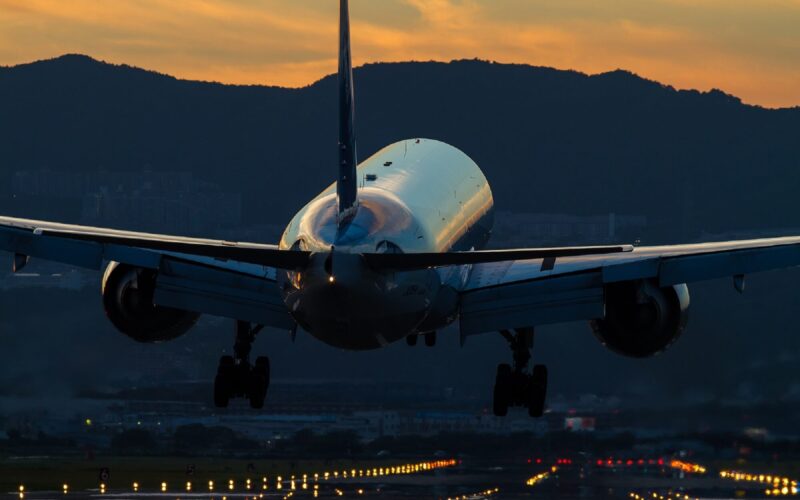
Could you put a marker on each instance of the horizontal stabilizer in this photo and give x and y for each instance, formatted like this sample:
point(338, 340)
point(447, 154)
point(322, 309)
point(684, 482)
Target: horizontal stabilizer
point(89, 246)
point(411, 261)
point(265, 255)
point(86, 246)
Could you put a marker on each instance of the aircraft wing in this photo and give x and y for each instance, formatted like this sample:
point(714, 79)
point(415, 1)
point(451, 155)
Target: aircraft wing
point(88, 247)
point(518, 293)
point(221, 278)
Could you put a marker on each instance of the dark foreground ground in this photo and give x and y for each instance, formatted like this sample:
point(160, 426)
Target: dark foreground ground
point(440, 477)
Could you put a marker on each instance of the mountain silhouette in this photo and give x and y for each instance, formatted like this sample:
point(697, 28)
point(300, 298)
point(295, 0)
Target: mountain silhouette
point(550, 141)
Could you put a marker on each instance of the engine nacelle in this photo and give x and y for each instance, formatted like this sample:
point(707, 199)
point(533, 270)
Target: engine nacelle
point(642, 319)
point(128, 302)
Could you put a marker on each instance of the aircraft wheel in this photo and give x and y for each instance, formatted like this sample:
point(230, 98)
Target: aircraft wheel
point(430, 339)
point(411, 340)
point(223, 382)
point(502, 390)
point(537, 391)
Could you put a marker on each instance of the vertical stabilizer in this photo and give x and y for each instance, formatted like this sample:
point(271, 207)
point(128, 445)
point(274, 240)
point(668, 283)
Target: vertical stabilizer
point(346, 183)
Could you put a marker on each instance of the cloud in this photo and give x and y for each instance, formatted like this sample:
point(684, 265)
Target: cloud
point(747, 48)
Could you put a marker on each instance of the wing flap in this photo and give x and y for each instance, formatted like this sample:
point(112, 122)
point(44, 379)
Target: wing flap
point(84, 254)
point(206, 279)
point(566, 298)
point(193, 286)
point(506, 295)
point(688, 268)
point(411, 261)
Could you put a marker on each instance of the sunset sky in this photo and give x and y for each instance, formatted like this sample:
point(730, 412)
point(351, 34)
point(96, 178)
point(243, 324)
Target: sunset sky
point(750, 48)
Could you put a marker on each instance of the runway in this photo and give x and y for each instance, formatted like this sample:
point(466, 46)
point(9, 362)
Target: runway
point(463, 478)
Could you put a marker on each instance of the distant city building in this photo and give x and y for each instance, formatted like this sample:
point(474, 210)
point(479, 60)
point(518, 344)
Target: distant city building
point(580, 424)
point(368, 425)
point(69, 279)
point(169, 202)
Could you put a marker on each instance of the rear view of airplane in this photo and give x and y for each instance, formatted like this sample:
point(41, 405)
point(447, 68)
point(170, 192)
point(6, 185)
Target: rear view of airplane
point(392, 250)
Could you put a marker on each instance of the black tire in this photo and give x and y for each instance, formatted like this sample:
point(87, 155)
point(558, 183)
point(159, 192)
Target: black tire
point(263, 367)
point(411, 340)
point(502, 390)
point(430, 339)
point(537, 391)
point(256, 391)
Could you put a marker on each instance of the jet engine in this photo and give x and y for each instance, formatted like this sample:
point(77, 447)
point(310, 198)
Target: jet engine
point(642, 319)
point(128, 302)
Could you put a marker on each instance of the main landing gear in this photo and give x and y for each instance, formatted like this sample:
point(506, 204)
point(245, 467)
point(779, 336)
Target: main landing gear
point(430, 338)
point(236, 376)
point(517, 387)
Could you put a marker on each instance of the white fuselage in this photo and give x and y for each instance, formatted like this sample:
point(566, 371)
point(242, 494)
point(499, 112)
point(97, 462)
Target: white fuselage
point(417, 195)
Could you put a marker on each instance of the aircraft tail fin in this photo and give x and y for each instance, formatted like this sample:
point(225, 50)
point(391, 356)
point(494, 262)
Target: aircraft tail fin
point(346, 183)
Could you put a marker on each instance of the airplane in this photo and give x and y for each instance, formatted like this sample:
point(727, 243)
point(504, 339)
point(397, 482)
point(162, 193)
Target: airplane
point(392, 250)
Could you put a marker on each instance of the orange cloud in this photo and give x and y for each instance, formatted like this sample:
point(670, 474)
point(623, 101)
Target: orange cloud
point(747, 48)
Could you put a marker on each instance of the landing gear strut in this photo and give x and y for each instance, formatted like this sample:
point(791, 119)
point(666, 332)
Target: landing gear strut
point(430, 338)
point(236, 376)
point(517, 387)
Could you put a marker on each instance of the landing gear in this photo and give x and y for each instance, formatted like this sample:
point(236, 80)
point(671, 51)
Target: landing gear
point(236, 376)
point(430, 338)
point(515, 386)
